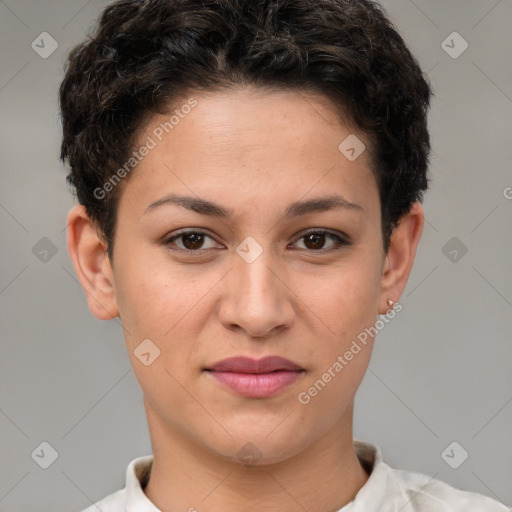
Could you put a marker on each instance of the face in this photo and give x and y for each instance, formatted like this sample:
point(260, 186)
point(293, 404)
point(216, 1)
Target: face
point(249, 278)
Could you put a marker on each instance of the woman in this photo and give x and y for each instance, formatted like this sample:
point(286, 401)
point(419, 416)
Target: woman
point(250, 177)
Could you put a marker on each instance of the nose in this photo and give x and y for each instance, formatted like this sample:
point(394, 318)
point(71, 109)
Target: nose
point(258, 298)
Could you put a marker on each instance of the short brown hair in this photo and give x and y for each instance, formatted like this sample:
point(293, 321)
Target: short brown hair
point(145, 53)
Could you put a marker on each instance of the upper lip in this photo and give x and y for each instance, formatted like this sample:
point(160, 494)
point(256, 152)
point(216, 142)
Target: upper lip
point(243, 364)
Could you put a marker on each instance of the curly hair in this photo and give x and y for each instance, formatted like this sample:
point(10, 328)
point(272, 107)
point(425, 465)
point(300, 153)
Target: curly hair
point(144, 54)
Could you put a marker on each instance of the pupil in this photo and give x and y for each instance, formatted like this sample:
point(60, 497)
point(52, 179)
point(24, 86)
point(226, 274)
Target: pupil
point(196, 241)
point(317, 239)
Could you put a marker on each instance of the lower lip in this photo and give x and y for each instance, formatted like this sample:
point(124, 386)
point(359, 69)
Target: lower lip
point(257, 385)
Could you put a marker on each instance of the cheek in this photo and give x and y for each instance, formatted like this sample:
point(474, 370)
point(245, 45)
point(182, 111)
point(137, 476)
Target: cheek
point(157, 299)
point(343, 300)
point(157, 305)
point(343, 309)
point(342, 306)
point(144, 296)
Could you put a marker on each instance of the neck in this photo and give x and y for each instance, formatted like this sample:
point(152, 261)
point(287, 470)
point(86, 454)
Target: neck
point(187, 476)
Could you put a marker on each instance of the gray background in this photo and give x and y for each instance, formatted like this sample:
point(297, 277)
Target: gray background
point(440, 371)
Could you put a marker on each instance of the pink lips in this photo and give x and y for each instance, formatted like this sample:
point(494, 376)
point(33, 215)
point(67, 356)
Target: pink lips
point(256, 378)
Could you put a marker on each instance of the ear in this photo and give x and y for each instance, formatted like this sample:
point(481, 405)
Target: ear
point(400, 256)
point(89, 255)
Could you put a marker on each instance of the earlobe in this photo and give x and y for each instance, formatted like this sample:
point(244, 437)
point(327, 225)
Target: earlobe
point(92, 266)
point(400, 257)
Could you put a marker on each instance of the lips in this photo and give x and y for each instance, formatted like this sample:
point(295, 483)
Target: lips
point(241, 364)
point(255, 378)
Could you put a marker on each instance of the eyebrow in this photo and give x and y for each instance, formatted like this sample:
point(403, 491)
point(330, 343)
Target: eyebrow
point(205, 207)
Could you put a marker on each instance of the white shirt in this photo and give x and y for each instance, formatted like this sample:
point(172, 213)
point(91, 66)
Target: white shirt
point(386, 490)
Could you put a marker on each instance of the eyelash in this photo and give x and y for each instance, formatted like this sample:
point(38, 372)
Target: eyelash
point(339, 241)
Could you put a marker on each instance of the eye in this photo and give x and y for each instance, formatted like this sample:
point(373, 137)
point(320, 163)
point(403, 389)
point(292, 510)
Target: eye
point(192, 241)
point(315, 239)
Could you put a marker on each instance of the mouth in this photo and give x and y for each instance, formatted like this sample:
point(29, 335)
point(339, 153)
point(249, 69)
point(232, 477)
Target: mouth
point(255, 378)
point(242, 364)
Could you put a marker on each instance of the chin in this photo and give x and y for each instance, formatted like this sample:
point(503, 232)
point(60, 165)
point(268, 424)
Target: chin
point(257, 448)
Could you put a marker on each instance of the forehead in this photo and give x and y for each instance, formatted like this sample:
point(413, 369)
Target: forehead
point(249, 142)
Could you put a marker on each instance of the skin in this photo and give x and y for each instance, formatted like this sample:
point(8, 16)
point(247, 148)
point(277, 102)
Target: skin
point(254, 152)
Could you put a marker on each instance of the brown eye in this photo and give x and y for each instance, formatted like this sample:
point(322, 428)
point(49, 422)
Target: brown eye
point(315, 240)
point(191, 241)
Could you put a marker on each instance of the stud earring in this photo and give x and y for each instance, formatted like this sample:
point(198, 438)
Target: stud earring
point(390, 304)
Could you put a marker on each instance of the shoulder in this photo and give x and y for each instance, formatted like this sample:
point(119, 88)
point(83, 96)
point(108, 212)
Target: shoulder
point(112, 503)
point(423, 493)
point(131, 496)
point(397, 490)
